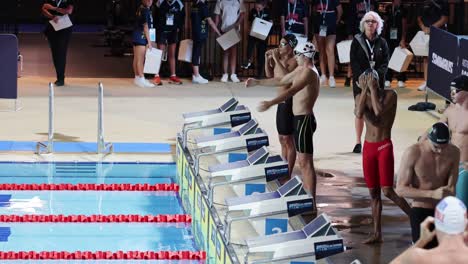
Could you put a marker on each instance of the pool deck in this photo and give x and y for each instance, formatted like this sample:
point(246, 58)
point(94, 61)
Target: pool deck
point(155, 115)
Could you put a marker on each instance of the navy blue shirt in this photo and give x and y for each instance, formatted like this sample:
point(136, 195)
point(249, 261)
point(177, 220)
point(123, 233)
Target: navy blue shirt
point(433, 10)
point(164, 10)
point(393, 18)
point(143, 16)
point(63, 4)
point(198, 16)
point(297, 15)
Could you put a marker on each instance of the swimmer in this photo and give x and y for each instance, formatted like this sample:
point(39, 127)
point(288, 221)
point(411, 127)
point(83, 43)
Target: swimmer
point(378, 108)
point(428, 173)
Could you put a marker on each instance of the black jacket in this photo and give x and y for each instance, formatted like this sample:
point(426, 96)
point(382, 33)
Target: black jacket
point(360, 58)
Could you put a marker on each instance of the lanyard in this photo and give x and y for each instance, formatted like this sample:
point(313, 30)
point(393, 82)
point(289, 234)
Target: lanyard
point(367, 4)
point(324, 11)
point(294, 8)
point(261, 14)
point(60, 1)
point(371, 48)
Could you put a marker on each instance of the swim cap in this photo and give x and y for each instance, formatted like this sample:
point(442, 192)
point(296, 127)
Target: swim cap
point(450, 216)
point(439, 133)
point(460, 82)
point(291, 39)
point(306, 48)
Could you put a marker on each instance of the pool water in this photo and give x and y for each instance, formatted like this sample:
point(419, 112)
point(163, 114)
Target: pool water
point(91, 236)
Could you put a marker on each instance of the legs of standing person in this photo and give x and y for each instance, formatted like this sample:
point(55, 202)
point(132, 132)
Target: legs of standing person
point(225, 66)
point(285, 128)
point(62, 43)
point(172, 62)
point(391, 48)
point(386, 173)
point(53, 44)
point(358, 127)
point(330, 48)
point(309, 177)
point(370, 168)
point(138, 59)
point(250, 50)
point(261, 49)
point(233, 63)
point(322, 59)
point(422, 87)
point(196, 53)
point(348, 73)
point(288, 151)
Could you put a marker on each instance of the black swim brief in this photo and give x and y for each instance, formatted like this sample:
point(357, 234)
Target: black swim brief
point(304, 128)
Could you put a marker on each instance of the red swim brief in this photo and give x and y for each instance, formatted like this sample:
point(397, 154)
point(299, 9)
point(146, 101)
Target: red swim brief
point(377, 163)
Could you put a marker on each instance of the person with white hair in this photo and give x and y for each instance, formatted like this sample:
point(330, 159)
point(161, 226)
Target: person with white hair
point(368, 51)
point(450, 229)
point(303, 85)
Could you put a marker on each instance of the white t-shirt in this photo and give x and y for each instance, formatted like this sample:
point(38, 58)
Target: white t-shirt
point(229, 11)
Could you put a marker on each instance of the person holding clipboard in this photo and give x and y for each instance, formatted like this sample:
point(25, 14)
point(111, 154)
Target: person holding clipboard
point(58, 32)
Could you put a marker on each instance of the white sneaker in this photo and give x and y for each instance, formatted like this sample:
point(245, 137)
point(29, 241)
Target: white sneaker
point(148, 84)
point(139, 82)
point(401, 84)
point(332, 82)
point(199, 79)
point(323, 79)
point(234, 78)
point(224, 79)
point(387, 84)
point(422, 87)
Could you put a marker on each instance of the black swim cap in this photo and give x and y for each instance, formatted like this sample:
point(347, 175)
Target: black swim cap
point(439, 133)
point(291, 39)
point(460, 82)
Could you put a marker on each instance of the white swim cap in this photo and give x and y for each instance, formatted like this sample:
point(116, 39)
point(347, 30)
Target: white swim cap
point(306, 48)
point(450, 216)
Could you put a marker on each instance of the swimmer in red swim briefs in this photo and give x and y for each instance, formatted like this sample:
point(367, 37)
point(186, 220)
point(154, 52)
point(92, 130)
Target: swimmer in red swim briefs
point(378, 107)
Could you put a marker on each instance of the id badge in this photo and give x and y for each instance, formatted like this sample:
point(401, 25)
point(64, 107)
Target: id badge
point(393, 33)
point(291, 22)
point(323, 31)
point(152, 34)
point(169, 19)
point(372, 64)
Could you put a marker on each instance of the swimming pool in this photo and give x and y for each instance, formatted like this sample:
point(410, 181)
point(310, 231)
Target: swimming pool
point(94, 237)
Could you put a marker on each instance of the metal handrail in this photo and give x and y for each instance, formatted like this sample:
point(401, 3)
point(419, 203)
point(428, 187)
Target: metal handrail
point(50, 139)
point(102, 146)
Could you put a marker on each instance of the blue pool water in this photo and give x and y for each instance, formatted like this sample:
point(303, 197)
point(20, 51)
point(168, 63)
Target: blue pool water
point(86, 172)
point(89, 202)
point(92, 236)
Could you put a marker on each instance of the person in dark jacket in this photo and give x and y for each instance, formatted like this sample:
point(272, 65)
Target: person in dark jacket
point(368, 50)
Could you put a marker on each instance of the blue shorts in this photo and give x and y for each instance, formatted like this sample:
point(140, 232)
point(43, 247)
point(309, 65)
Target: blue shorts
point(138, 38)
point(462, 185)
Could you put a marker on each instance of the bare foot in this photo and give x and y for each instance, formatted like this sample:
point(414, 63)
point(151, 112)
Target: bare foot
point(374, 239)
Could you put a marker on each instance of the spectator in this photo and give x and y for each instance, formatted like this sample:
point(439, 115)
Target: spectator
point(368, 50)
point(357, 10)
point(231, 14)
point(54, 10)
point(327, 15)
point(260, 11)
point(294, 17)
point(200, 17)
point(142, 41)
point(434, 13)
point(170, 18)
point(395, 34)
point(450, 223)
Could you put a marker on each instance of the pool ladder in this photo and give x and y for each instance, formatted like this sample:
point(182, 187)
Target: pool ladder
point(102, 146)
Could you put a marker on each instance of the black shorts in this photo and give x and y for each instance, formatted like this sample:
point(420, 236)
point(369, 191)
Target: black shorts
point(285, 118)
point(166, 36)
point(304, 128)
point(417, 216)
point(330, 22)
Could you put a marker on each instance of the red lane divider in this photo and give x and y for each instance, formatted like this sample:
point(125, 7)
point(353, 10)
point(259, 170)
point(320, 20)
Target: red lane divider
point(90, 187)
point(182, 255)
point(97, 218)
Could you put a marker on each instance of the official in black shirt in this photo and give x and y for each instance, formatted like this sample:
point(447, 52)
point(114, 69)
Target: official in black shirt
point(395, 34)
point(433, 13)
point(169, 20)
point(261, 12)
point(58, 40)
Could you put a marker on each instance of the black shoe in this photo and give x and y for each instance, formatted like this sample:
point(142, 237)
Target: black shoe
point(59, 83)
point(247, 65)
point(347, 82)
point(357, 148)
